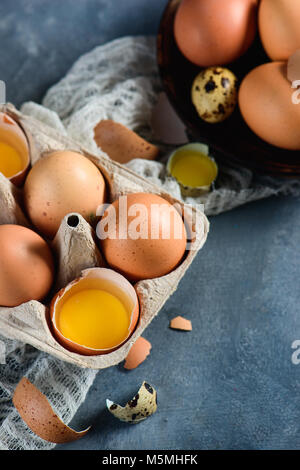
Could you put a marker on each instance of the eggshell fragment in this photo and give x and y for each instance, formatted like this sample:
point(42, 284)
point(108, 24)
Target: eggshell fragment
point(166, 125)
point(39, 416)
point(180, 323)
point(138, 353)
point(293, 68)
point(142, 405)
point(122, 144)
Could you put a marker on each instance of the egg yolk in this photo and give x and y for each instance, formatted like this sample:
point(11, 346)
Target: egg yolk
point(10, 160)
point(193, 169)
point(94, 318)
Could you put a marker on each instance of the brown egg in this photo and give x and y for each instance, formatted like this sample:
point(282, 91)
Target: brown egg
point(122, 144)
point(266, 104)
point(148, 238)
point(278, 22)
point(39, 416)
point(215, 32)
point(60, 183)
point(26, 268)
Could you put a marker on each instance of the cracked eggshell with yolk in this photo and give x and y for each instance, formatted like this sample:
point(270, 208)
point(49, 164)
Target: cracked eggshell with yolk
point(95, 278)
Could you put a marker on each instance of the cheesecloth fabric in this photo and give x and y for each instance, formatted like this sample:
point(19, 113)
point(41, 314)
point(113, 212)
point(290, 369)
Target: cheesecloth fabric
point(118, 81)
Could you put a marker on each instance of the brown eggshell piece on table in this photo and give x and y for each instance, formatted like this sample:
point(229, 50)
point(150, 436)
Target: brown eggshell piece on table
point(180, 323)
point(138, 353)
point(122, 144)
point(39, 416)
point(59, 183)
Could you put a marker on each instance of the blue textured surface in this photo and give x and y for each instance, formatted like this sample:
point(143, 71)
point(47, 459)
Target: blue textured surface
point(230, 383)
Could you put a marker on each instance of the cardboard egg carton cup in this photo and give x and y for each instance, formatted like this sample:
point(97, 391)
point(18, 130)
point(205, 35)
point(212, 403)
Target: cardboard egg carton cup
point(75, 248)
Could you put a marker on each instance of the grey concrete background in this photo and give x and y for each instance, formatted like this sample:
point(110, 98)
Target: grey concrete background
point(230, 383)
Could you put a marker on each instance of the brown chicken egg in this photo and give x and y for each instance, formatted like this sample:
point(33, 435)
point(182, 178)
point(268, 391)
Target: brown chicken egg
point(59, 183)
point(142, 236)
point(14, 150)
point(278, 22)
point(266, 104)
point(215, 32)
point(293, 68)
point(26, 267)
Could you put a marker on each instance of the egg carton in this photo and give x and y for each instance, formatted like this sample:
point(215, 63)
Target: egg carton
point(75, 248)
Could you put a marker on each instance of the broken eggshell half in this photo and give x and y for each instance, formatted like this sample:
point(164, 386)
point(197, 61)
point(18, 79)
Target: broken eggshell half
point(205, 163)
point(38, 414)
point(12, 135)
point(95, 278)
point(140, 407)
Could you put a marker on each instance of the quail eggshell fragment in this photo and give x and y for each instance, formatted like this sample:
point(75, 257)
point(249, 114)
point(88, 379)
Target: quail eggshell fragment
point(122, 144)
point(39, 416)
point(95, 278)
point(59, 183)
point(142, 405)
point(180, 323)
point(138, 353)
point(214, 94)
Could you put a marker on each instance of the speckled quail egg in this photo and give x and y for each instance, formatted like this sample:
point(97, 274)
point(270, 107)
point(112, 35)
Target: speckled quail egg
point(214, 94)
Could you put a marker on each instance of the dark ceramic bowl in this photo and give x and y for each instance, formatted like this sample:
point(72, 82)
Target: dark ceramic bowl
point(231, 140)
